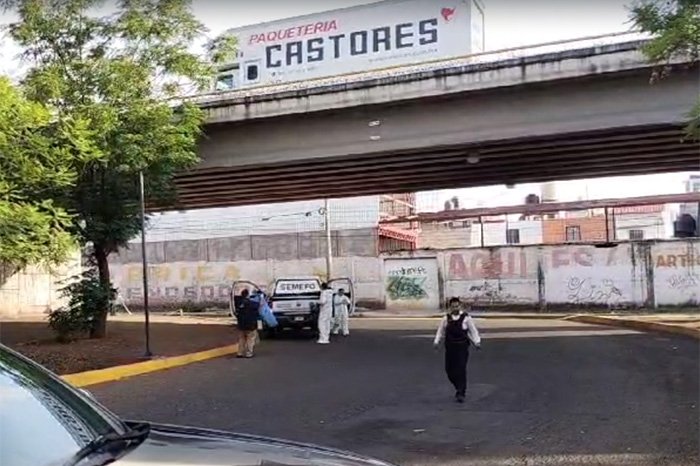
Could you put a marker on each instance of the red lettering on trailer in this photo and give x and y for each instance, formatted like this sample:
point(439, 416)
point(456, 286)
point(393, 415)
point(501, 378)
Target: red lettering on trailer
point(295, 31)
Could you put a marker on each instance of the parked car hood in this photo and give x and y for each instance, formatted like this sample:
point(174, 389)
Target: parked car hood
point(188, 446)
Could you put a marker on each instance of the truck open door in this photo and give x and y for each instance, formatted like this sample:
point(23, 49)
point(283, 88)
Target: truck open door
point(236, 288)
point(346, 284)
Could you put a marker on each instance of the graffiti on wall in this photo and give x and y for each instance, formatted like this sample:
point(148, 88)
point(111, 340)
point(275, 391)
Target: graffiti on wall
point(178, 282)
point(407, 283)
point(677, 260)
point(487, 265)
point(489, 292)
point(684, 282)
point(686, 287)
point(411, 283)
point(497, 264)
point(590, 291)
point(584, 257)
point(406, 288)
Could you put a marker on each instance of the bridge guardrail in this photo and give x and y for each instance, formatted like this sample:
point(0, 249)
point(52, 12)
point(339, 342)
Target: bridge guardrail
point(630, 39)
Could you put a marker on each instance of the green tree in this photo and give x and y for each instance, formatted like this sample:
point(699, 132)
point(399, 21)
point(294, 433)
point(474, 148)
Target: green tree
point(675, 29)
point(116, 73)
point(33, 230)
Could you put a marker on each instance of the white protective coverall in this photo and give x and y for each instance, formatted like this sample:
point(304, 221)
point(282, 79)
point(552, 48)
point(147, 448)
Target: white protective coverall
point(342, 314)
point(325, 316)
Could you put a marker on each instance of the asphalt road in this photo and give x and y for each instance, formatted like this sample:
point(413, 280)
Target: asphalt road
point(540, 392)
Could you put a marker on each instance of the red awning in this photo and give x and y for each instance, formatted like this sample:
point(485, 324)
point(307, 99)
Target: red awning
point(398, 233)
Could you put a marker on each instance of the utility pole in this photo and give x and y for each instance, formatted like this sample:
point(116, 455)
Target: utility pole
point(607, 226)
point(144, 263)
point(329, 244)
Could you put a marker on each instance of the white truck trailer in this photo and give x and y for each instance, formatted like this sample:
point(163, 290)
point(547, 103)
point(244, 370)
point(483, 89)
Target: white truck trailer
point(378, 35)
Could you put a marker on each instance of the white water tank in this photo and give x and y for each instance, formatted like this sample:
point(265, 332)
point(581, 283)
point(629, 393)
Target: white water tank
point(549, 192)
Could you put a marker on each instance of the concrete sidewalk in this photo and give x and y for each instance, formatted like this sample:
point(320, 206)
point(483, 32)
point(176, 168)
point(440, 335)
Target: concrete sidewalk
point(439, 314)
point(678, 324)
point(679, 319)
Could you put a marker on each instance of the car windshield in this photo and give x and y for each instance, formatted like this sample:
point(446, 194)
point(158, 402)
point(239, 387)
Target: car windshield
point(42, 420)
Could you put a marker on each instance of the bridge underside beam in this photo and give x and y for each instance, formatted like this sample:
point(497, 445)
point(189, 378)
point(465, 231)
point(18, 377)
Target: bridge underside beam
point(610, 152)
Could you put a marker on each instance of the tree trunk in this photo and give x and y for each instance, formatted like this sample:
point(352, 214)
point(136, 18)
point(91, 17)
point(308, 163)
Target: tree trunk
point(99, 326)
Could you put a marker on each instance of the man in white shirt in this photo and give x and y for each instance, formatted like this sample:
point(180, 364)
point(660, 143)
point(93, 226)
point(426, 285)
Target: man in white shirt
point(341, 308)
point(457, 330)
point(325, 314)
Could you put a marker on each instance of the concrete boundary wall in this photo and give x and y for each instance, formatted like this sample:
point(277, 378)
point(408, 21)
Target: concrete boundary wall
point(200, 272)
point(183, 284)
point(287, 246)
point(35, 290)
point(629, 275)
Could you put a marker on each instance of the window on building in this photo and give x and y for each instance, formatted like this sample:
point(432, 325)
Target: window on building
point(225, 82)
point(252, 72)
point(573, 233)
point(513, 236)
point(636, 235)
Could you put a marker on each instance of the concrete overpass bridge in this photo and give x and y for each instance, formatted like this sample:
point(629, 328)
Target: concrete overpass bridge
point(552, 112)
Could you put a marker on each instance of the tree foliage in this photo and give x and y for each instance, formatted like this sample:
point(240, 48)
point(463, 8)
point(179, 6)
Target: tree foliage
point(85, 293)
point(113, 74)
point(35, 158)
point(675, 29)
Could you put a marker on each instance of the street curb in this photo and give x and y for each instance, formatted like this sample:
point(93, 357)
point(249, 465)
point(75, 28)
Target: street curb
point(474, 315)
point(427, 317)
point(111, 374)
point(637, 325)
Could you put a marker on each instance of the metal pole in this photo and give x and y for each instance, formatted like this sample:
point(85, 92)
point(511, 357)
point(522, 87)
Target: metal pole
point(607, 226)
point(144, 262)
point(329, 245)
point(481, 231)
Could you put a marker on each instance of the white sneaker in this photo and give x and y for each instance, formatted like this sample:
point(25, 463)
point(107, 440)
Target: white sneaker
point(323, 342)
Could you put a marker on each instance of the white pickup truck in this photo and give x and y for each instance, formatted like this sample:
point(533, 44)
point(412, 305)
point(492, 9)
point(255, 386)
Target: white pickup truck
point(294, 301)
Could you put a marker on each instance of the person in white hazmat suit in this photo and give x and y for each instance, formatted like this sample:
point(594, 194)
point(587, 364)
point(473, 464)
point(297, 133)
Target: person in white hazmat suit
point(325, 315)
point(341, 307)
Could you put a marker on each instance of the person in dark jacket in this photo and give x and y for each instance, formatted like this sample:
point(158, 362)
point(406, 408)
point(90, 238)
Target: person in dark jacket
point(457, 330)
point(247, 316)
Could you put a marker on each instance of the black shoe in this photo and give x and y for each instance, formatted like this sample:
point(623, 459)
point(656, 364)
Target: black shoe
point(460, 398)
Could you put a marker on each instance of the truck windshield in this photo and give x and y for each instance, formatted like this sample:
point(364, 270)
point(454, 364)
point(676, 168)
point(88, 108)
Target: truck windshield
point(225, 82)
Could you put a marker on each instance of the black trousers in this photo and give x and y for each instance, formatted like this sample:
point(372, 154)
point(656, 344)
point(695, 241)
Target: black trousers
point(456, 358)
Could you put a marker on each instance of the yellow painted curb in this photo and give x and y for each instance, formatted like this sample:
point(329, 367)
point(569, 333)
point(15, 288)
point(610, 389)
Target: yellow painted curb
point(372, 319)
point(110, 374)
point(638, 325)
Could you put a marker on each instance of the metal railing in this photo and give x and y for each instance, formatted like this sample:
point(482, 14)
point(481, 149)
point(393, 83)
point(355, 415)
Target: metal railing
point(633, 39)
